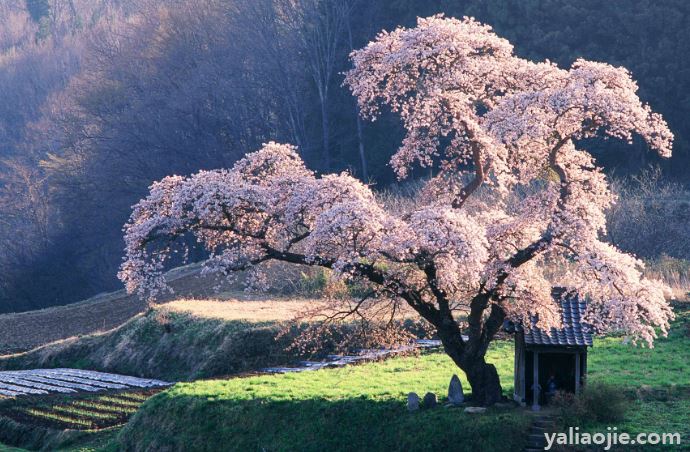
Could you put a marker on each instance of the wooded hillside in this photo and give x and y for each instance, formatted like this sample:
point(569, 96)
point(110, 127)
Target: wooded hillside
point(99, 98)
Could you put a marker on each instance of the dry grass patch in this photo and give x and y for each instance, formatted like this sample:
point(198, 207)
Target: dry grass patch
point(248, 308)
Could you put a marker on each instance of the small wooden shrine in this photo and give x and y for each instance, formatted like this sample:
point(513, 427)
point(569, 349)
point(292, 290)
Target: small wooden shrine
point(555, 358)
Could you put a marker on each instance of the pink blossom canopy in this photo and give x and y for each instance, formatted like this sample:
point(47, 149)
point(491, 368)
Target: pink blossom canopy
point(516, 207)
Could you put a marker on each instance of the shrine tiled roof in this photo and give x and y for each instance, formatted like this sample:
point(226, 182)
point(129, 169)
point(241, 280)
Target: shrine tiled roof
point(575, 332)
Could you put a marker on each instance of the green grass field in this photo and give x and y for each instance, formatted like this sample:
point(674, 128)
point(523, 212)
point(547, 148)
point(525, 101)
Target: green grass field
point(363, 406)
point(353, 408)
point(656, 382)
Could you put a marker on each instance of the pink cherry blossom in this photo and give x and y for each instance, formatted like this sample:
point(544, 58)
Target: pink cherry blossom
point(517, 206)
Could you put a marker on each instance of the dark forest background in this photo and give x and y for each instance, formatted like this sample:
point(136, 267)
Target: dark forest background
point(98, 98)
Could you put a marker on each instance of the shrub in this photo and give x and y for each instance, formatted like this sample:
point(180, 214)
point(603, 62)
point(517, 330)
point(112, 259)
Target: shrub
point(597, 403)
point(605, 403)
point(312, 282)
point(569, 407)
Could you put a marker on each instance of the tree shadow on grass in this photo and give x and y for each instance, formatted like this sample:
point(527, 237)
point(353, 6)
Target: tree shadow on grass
point(201, 423)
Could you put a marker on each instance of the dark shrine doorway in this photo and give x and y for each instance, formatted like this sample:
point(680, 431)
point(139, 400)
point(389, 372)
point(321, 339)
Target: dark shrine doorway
point(562, 366)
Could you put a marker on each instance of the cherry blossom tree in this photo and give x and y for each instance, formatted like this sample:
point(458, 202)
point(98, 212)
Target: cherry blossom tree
point(516, 207)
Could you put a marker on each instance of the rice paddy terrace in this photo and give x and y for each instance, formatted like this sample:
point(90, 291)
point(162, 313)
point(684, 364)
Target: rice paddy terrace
point(73, 399)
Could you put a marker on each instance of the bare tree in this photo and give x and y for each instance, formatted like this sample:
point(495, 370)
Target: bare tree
point(321, 25)
point(358, 116)
point(651, 217)
point(267, 32)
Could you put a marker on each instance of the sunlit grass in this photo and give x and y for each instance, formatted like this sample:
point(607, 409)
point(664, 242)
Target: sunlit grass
point(71, 410)
point(103, 407)
point(393, 378)
point(53, 416)
point(629, 367)
point(337, 409)
point(350, 408)
point(119, 401)
point(235, 309)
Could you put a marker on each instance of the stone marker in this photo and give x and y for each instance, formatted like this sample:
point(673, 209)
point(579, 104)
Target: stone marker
point(475, 409)
point(430, 400)
point(412, 401)
point(455, 395)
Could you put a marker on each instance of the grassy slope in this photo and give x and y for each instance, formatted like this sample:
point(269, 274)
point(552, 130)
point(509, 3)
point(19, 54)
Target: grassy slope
point(657, 381)
point(354, 408)
point(362, 407)
point(27, 330)
point(167, 345)
point(4, 448)
point(180, 340)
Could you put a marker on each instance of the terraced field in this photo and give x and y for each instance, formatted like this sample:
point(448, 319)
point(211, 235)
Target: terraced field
point(68, 381)
point(27, 330)
point(90, 412)
point(72, 399)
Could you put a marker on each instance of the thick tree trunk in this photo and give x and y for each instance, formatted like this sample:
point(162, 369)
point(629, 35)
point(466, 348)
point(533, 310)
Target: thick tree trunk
point(483, 378)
